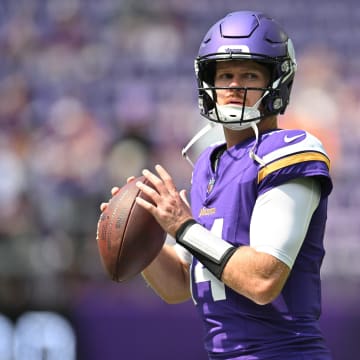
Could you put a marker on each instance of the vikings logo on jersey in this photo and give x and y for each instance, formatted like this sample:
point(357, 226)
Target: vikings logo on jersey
point(286, 154)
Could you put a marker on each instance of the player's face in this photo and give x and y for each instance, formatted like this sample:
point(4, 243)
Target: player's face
point(245, 74)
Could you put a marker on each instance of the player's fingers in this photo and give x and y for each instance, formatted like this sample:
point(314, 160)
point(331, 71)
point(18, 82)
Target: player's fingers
point(166, 178)
point(145, 204)
point(130, 178)
point(103, 206)
point(149, 191)
point(154, 180)
point(115, 190)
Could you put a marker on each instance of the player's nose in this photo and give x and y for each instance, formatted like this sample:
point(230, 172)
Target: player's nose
point(235, 82)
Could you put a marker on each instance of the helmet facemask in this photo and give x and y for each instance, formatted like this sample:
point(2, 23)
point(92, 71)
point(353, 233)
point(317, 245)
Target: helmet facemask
point(272, 100)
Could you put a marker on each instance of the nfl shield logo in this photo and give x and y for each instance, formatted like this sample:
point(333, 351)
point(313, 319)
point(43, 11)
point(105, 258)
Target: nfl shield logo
point(210, 185)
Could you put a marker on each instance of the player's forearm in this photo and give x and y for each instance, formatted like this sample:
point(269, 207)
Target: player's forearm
point(168, 276)
point(256, 275)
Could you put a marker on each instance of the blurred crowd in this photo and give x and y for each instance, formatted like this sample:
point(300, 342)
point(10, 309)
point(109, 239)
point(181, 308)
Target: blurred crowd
point(94, 91)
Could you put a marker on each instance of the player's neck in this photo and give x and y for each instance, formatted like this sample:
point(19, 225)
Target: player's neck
point(234, 137)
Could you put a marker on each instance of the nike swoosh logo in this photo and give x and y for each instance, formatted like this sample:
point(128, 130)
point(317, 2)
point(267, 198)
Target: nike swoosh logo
point(289, 139)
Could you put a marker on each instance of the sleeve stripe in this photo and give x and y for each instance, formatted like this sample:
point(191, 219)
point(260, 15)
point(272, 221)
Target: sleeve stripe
point(292, 160)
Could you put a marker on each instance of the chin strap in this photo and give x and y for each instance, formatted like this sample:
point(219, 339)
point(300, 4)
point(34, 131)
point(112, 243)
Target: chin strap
point(252, 152)
point(196, 138)
point(210, 125)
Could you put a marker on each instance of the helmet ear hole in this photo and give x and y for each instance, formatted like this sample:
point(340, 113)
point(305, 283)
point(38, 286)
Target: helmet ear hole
point(274, 104)
point(285, 97)
point(277, 101)
point(277, 104)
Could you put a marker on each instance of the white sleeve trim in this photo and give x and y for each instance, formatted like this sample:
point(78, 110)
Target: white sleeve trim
point(281, 218)
point(310, 143)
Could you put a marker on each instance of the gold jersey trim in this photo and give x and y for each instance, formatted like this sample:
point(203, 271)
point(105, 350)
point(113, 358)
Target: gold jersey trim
point(292, 160)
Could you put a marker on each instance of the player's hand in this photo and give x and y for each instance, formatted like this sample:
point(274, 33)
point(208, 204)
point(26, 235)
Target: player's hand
point(114, 191)
point(170, 207)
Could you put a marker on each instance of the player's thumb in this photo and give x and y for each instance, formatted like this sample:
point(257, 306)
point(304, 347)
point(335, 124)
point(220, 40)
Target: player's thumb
point(183, 196)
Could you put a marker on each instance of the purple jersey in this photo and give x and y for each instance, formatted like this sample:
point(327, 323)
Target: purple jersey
point(223, 201)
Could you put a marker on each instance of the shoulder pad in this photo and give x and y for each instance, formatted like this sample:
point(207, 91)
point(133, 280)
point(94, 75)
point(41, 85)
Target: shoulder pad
point(291, 142)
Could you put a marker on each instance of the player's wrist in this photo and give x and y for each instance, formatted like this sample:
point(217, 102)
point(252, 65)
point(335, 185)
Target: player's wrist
point(183, 228)
point(212, 251)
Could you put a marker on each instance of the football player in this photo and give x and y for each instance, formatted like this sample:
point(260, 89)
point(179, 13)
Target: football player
point(250, 249)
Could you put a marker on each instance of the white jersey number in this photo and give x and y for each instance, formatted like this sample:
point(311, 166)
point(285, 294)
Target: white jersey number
point(201, 274)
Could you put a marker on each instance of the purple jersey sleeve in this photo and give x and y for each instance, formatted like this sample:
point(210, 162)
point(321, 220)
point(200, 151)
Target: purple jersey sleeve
point(290, 154)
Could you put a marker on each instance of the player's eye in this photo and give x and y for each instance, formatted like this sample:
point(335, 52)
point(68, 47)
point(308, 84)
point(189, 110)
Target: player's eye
point(225, 76)
point(250, 76)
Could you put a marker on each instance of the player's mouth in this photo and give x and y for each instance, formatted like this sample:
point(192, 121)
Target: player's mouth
point(234, 102)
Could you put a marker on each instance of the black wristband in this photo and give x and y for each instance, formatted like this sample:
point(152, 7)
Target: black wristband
point(216, 267)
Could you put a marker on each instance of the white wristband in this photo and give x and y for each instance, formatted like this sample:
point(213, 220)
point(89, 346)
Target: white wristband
point(202, 240)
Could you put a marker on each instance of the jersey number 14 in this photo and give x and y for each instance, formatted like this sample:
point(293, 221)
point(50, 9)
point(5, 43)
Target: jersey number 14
point(201, 274)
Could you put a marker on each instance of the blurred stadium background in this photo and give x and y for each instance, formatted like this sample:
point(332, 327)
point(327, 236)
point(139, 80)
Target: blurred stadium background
point(91, 92)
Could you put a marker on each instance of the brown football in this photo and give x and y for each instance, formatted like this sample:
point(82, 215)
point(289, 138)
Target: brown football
point(128, 237)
